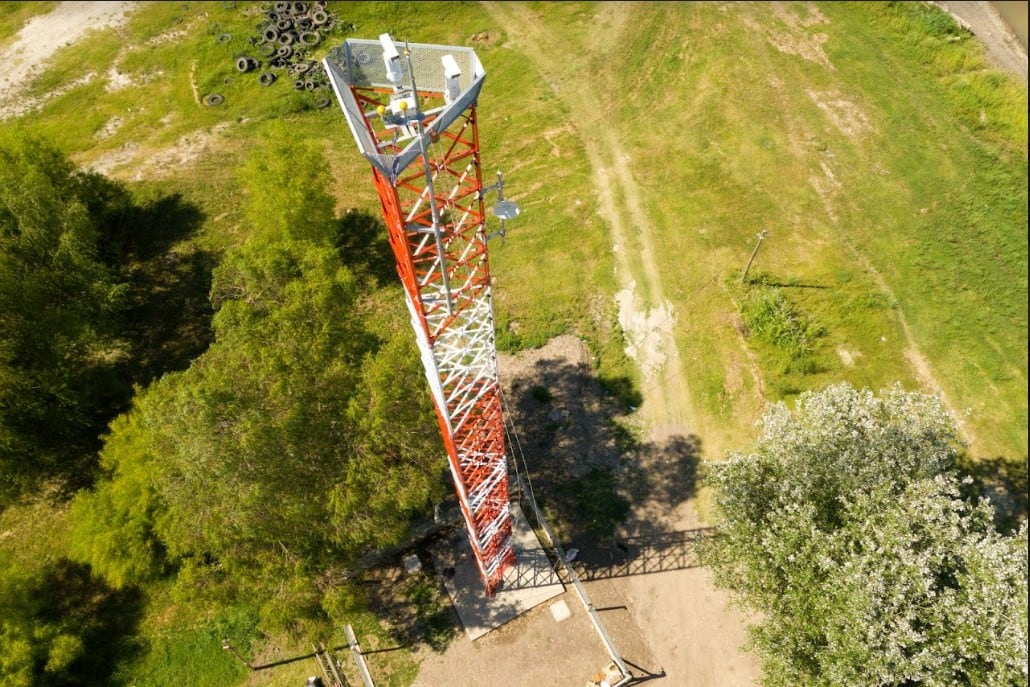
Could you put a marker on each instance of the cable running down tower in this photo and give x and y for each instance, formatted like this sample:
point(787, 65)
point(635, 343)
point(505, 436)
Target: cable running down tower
point(413, 117)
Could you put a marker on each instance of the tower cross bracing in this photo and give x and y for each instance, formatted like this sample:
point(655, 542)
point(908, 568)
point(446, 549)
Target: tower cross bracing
point(413, 117)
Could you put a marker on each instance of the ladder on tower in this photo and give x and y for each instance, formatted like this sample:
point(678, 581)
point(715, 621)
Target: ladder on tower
point(414, 118)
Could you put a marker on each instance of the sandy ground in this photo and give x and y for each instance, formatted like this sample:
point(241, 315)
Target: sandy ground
point(667, 620)
point(41, 37)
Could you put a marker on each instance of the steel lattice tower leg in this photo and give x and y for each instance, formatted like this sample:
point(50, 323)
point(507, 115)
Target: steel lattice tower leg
point(426, 169)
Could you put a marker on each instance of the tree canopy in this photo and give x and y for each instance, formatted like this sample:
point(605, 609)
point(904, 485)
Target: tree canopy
point(57, 305)
point(845, 529)
point(294, 444)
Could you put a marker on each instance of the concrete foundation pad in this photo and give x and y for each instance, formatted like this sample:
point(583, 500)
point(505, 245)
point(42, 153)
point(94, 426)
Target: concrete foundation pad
point(560, 611)
point(526, 585)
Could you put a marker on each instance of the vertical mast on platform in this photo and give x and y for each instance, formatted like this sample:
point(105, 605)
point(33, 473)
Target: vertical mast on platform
point(412, 112)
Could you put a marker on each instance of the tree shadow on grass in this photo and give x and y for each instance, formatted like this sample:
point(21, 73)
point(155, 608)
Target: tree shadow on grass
point(364, 246)
point(74, 602)
point(165, 318)
point(1002, 481)
point(604, 489)
point(414, 607)
point(168, 317)
point(162, 322)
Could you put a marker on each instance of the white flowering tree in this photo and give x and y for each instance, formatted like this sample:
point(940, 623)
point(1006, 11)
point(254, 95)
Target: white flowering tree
point(846, 532)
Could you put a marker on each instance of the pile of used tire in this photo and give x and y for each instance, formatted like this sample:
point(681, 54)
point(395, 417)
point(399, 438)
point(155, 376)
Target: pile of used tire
point(289, 32)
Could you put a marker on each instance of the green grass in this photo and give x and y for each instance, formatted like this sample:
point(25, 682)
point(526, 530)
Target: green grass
point(925, 211)
point(35, 533)
point(893, 186)
point(192, 656)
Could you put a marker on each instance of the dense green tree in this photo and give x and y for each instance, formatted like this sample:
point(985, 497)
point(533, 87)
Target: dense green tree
point(397, 458)
point(113, 526)
point(846, 531)
point(302, 437)
point(57, 301)
point(287, 186)
point(255, 431)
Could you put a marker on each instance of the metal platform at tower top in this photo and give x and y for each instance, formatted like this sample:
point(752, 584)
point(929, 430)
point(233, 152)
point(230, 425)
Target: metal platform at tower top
point(361, 64)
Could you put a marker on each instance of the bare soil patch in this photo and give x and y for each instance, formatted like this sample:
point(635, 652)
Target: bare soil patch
point(1003, 47)
point(41, 38)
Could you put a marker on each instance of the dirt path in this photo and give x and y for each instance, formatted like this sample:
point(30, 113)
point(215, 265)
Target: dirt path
point(686, 623)
point(45, 34)
point(644, 313)
point(983, 21)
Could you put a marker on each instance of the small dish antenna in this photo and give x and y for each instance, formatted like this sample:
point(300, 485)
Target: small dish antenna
point(506, 209)
point(502, 209)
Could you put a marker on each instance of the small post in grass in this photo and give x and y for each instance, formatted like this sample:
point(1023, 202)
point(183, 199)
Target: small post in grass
point(227, 645)
point(761, 237)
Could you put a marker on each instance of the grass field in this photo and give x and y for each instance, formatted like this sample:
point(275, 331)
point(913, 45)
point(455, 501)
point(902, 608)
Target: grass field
point(886, 162)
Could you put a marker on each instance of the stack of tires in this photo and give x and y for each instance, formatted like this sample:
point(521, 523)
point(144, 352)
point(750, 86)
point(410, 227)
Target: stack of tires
point(291, 29)
point(285, 37)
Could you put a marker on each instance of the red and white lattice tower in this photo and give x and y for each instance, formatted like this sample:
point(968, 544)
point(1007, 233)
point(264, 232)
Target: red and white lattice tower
point(412, 112)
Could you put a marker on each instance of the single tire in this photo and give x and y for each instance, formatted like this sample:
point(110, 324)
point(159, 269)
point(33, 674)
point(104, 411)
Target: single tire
point(284, 25)
point(285, 52)
point(298, 84)
point(287, 38)
point(267, 78)
point(301, 67)
point(225, 38)
point(310, 85)
point(214, 100)
point(300, 8)
point(319, 17)
point(282, 7)
point(254, 64)
point(268, 49)
point(243, 65)
point(310, 38)
point(271, 34)
point(323, 103)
